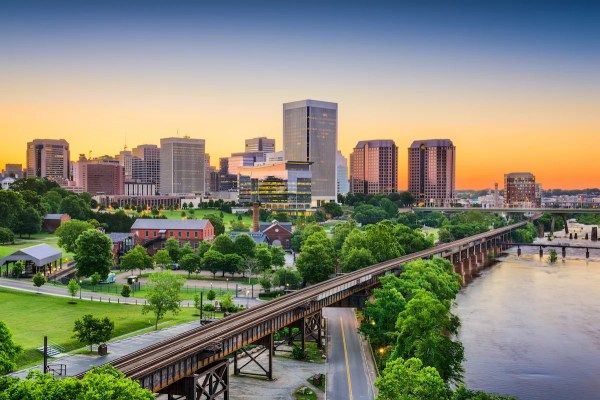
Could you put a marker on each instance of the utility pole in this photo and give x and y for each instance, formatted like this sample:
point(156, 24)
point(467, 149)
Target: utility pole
point(45, 354)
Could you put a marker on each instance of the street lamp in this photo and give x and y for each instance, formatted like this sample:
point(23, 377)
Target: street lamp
point(247, 299)
point(80, 282)
point(227, 284)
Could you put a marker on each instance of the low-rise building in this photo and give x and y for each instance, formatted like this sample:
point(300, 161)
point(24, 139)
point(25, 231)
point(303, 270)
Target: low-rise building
point(277, 233)
point(51, 222)
point(153, 233)
point(122, 242)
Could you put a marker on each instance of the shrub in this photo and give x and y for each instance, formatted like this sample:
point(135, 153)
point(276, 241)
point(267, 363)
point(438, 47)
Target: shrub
point(126, 291)
point(298, 354)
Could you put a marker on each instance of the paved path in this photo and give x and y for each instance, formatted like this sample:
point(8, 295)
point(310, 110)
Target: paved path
point(78, 363)
point(62, 291)
point(351, 372)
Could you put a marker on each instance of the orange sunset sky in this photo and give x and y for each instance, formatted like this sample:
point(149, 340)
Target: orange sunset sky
point(514, 92)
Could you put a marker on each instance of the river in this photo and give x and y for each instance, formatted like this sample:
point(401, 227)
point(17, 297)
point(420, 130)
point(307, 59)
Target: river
point(532, 329)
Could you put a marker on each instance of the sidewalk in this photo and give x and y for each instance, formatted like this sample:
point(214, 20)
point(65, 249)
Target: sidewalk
point(78, 363)
point(59, 291)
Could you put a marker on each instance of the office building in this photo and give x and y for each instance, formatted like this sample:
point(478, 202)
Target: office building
point(341, 170)
point(310, 135)
point(227, 181)
point(278, 186)
point(432, 171)
point(146, 164)
point(238, 160)
point(520, 190)
point(125, 158)
point(261, 144)
point(182, 166)
point(99, 176)
point(48, 158)
point(374, 167)
point(13, 171)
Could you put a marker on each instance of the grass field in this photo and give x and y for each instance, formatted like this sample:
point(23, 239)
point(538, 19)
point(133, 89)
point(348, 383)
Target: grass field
point(31, 316)
point(200, 213)
point(38, 238)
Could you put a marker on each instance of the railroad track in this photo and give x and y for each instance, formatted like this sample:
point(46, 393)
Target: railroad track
point(147, 360)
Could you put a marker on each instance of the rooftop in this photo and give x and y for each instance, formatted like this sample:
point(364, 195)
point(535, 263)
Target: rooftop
point(432, 143)
point(40, 254)
point(149, 223)
point(375, 143)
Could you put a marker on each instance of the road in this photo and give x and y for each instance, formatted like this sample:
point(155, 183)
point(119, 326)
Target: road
point(351, 372)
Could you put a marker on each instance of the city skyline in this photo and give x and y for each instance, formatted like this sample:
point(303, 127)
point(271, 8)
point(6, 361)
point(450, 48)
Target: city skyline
point(514, 87)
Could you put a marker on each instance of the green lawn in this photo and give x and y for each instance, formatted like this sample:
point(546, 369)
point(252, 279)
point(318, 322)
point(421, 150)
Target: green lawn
point(38, 238)
point(200, 213)
point(31, 316)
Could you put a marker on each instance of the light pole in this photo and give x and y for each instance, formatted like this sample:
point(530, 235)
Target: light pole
point(247, 299)
point(227, 284)
point(80, 282)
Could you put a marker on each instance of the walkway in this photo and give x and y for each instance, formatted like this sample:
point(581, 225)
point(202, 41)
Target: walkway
point(62, 291)
point(351, 372)
point(78, 363)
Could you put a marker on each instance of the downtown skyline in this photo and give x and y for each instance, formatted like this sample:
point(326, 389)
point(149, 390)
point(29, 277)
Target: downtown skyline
point(516, 89)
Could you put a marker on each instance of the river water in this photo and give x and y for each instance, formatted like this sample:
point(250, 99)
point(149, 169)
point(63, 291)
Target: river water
point(532, 329)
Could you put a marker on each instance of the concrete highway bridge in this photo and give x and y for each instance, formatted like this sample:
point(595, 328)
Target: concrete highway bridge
point(194, 365)
point(510, 210)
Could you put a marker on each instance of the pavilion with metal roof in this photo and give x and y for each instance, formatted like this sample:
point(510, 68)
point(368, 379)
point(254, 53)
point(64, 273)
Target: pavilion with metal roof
point(39, 258)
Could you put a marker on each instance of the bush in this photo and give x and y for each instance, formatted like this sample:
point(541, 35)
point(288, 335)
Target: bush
point(211, 295)
point(6, 236)
point(298, 354)
point(208, 307)
point(126, 291)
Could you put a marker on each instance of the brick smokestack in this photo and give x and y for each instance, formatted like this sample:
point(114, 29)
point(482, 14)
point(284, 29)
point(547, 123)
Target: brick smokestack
point(255, 215)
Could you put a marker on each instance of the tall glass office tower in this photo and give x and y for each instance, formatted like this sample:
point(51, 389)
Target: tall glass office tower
point(310, 134)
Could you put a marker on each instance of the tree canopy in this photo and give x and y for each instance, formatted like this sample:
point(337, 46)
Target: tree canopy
point(69, 231)
point(93, 253)
point(163, 295)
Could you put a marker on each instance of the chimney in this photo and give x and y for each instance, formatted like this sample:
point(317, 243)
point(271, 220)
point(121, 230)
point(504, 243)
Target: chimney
point(255, 215)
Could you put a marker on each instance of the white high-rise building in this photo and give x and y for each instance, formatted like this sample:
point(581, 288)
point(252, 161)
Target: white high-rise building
point(341, 166)
point(182, 166)
point(310, 135)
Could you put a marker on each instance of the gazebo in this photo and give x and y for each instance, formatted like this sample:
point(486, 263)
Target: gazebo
point(39, 258)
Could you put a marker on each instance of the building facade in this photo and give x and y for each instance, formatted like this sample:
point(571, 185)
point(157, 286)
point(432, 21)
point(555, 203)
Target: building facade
point(145, 166)
point(432, 171)
point(153, 233)
point(310, 135)
point(13, 171)
point(126, 161)
point(277, 186)
point(374, 167)
point(182, 166)
point(48, 158)
point(520, 190)
point(341, 170)
point(98, 176)
point(239, 160)
point(262, 143)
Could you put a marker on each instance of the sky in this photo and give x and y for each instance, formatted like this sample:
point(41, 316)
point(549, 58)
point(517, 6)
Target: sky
point(515, 86)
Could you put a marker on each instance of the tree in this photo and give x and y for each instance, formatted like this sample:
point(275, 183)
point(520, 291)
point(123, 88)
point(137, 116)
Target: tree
point(265, 282)
point(185, 249)
point(163, 295)
point(11, 203)
point(76, 207)
point(262, 254)
point(103, 382)
point(381, 241)
point(244, 245)
point(462, 393)
point(190, 263)
point(53, 200)
point(217, 223)
point(6, 236)
point(95, 278)
point(410, 380)
point(406, 199)
point(287, 278)
point(162, 258)
point(368, 214)
point(357, 259)
point(316, 260)
point(381, 312)
point(232, 263)
point(211, 295)
point(39, 280)
point(69, 231)
point(29, 221)
point(553, 257)
point(125, 291)
point(213, 262)
point(90, 330)
point(9, 350)
point(137, 257)
point(424, 329)
point(203, 247)
point(93, 253)
point(340, 232)
point(437, 276)
point(333, 209)
point(73, 287)
point(223, 244)
point(172, 247)
point(277, 256)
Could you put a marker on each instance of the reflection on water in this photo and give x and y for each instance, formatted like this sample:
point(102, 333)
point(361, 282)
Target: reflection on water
point(532, 329)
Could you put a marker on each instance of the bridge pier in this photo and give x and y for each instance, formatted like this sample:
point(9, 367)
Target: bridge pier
point(267, 345)
point(564, 252)
point(210, 383)
point(541, 252)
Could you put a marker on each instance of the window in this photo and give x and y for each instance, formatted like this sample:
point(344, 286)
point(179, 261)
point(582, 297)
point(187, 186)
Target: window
point(146, 233)
point(187, 234)
point(179, 233)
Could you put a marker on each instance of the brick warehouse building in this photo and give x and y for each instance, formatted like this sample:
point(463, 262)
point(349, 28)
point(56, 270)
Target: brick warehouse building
point(153, 233)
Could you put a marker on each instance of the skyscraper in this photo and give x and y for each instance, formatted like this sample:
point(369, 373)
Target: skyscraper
point(341, 166)
point(99, 176)
point(374, 167)
point(520, 190)
point(126, 161)
point(260, 144)
point(182, 166)
point(310, 134)
point(48, 158)
point(431, 171)
point(146, 164)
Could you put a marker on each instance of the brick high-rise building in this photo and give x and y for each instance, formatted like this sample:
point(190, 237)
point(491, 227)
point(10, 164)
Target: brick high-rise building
point(99, 176)
point(520, 190)
point(374, 167)
point(48, 158)
point(432, 171)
